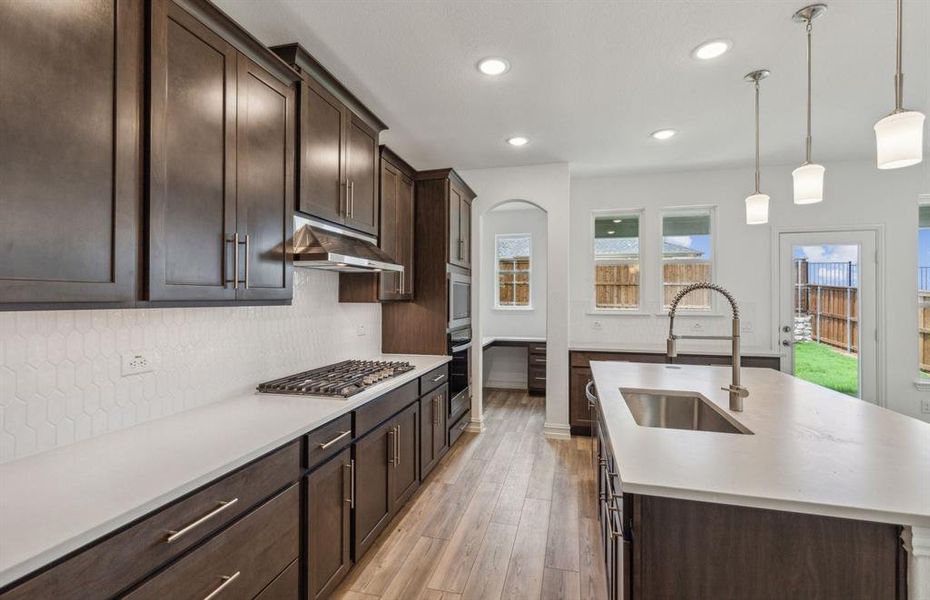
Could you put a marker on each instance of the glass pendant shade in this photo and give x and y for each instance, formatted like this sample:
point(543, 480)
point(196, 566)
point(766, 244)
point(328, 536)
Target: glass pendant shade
point(900, 138)
point(808, 183)
point(757, 209)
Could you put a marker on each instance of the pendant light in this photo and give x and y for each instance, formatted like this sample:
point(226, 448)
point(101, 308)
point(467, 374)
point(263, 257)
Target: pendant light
point(757, 204)
point(808, 178)
point(899, 136)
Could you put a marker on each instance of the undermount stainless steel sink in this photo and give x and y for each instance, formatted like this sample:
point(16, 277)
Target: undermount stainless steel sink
point(678, 410)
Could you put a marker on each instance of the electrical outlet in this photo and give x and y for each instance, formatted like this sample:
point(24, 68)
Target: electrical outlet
point(361, 330)
point(135, 363)
point(925, 406)
point(696, 326)
point(597, 326)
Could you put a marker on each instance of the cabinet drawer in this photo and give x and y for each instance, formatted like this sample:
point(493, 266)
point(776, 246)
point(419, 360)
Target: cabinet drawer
point(455, 432)
point(284, 587)
point(536, 377)
point(242, 560)
point(434, 379)
point(459, 405)
point(379, 410)
point(328, 440)
point(122, 560)
point(537, 360)
point(537, 349)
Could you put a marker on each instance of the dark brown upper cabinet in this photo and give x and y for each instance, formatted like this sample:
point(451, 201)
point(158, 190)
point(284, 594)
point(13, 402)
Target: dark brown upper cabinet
point(337, 148)
point(71, 89)
point(221, 173)
point(457, 198)
point(397, 224)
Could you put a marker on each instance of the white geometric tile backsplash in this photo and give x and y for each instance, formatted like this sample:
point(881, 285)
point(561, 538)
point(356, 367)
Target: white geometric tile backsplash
point(60, 378)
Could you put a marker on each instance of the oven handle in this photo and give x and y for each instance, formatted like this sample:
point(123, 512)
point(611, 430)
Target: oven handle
point(464, 346)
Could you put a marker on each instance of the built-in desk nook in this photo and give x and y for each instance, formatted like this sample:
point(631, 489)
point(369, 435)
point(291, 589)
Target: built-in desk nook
point(535, 358)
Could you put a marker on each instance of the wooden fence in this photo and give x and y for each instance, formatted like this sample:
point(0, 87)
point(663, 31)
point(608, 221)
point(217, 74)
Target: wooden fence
point(617, 285)
point(834, 309)
point(923, 327)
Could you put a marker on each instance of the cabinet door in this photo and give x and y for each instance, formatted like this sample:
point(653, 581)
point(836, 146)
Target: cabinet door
point(374, 458)
point(405, 474)
point(329, 509)
point(390, 180)
point(433, 439)
point(322, 157)
point(70, 162)
point(465, 230)
point(455, 220)
point(362, 162)
point(192, 183)
point(578, 413)
point(264, 181)
point(405, 228)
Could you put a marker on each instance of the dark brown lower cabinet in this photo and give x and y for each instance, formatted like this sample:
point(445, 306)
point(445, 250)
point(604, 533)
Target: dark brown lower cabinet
point(433, 439)
point(329, 510)
point(286, 586)
point(386, 474)
point(237, 563)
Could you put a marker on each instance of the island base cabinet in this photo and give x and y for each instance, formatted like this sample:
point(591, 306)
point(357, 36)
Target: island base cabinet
point(329, 509)
point(687, 549)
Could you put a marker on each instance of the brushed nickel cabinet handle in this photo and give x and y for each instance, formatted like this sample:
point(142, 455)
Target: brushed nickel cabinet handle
point(397, 441)
point(351, 199)
point(350, 469)
point(341, 435)
point(393, 439)
point(223, 505)
point(248, 260)
point(235, 243)
point(434, 407)
point(463, 425)
point(439, 378)
point(227, 579)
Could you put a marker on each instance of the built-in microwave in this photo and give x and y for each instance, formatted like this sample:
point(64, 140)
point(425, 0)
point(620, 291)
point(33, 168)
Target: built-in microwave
point(459, 300)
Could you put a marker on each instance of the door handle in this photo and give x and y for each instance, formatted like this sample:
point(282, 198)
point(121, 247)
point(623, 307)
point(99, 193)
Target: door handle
point(397, 441)
point(392, 434)
point(235, 243)
point(351, 199)
point(350, 468)
point(787, 343)
point(248, 260)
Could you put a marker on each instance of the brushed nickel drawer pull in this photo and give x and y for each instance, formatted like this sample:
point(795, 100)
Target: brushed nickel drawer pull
point(227, 579)
point(439, 378)
point(341, 435)
point(223, 505)
point(393, 435)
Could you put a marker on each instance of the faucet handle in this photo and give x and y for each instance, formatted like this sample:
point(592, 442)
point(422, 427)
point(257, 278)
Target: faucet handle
point(736, 389)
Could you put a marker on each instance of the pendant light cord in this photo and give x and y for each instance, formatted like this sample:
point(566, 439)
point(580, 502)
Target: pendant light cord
point(898, 75)
point(808, 140)
point(757, 137)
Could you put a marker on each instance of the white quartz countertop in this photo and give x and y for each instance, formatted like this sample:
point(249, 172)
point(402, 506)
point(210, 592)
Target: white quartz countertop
point(813, 450)
point(55, 502)
point(683, 348)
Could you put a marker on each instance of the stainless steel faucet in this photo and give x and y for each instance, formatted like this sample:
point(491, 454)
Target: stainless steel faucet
point(737, 392)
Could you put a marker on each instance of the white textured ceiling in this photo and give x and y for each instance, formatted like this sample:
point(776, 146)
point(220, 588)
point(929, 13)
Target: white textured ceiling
point(590, 80)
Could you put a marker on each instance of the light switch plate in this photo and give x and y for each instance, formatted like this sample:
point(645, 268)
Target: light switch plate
point(925, 406)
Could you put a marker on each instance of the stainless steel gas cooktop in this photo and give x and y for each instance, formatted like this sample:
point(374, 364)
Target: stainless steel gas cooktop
point(342, 379)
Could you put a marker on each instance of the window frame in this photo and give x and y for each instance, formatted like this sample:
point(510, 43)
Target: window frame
point(689, 210)
point(593, 308)
point(497, 272)
point(921, 384)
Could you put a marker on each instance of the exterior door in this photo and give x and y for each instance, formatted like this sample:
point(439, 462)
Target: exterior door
point(71, 83)
point(264, 181)
point(192, 187)
point(329, 509)
point(827, 314)
point(362, 163)
point(322, 159)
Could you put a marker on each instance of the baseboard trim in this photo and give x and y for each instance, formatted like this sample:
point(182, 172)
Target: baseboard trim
point(557, 431)
point(475, 426)
point(505, 385)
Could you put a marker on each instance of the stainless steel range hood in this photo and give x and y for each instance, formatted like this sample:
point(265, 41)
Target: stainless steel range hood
point(320, 245)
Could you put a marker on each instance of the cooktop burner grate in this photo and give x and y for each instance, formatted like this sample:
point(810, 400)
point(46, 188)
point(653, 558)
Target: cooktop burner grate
point(342, 379)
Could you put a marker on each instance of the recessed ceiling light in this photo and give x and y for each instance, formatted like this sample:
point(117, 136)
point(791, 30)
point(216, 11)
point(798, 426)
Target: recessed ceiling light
point(618, 220)
point(711, 49)
point(493, 66)
point(664, 134)
point(517, 140)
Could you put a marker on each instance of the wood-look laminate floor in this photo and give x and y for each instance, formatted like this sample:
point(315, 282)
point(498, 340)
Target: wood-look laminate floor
point(506, 514)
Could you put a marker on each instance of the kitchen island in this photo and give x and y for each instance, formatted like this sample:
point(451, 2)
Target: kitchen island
point(813, 494)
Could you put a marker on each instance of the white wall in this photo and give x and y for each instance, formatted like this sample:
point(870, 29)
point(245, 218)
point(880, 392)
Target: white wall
point(60, 376)
point(856, 193)
point(506, 367)
point(546, 186)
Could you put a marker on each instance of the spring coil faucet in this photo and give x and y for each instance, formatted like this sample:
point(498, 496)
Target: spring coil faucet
point(737, 392)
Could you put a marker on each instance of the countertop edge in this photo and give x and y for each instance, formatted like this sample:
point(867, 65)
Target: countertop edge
point(61, 550)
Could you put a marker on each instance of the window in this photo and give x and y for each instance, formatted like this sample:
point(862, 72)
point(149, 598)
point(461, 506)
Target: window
point(513, 270)
point(923, 291)
point(616, 261)
point(687, 257)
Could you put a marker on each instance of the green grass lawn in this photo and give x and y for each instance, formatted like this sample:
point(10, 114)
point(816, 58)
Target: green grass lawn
point(821, 364)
